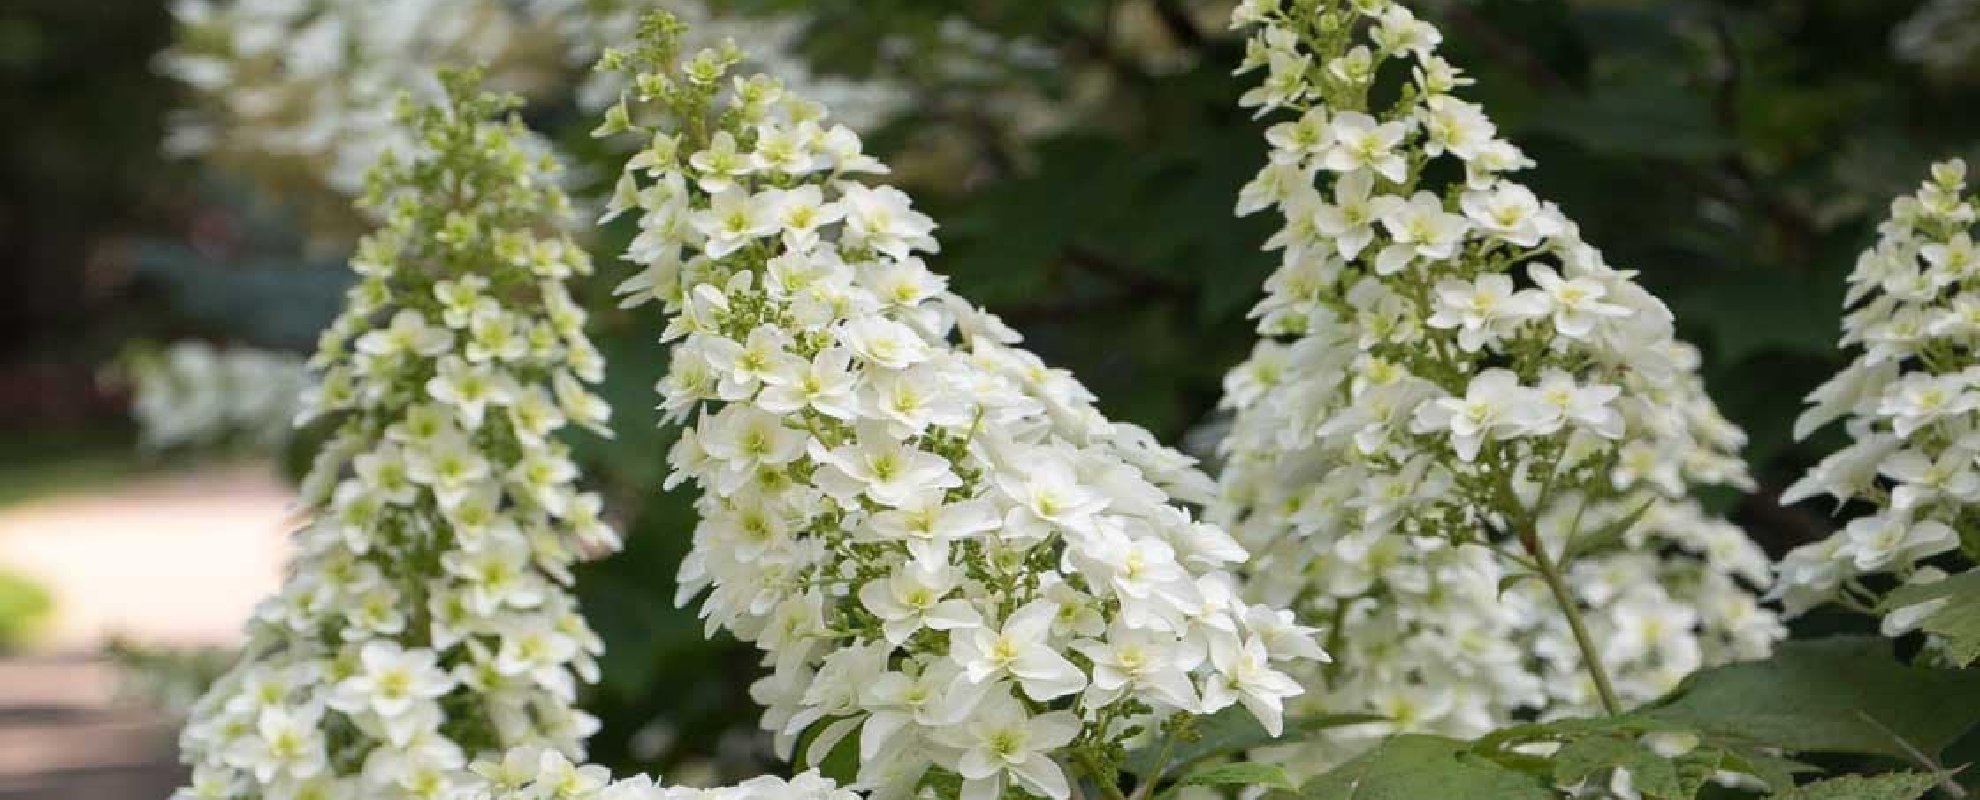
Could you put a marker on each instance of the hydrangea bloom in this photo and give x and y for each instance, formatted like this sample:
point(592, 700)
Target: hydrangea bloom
point(1911, 401)
point(192, 394)
point(943, 549)
point(1454, 392)
point(589, 26)
point(426, 617)
point(306, 87)
point(300, 93)
point(534, 773)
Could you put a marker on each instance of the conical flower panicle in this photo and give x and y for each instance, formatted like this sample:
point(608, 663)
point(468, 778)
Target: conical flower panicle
point(426, 618)
point(946, 553)
point(1911, 403)
point(1450, 380)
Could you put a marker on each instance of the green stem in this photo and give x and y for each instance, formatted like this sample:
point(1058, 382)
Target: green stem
point(1109, 783)
point(1590, 656)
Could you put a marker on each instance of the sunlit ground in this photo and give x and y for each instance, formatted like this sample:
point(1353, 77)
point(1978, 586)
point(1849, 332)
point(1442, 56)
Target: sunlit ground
point(173, 559)
point(157, 559)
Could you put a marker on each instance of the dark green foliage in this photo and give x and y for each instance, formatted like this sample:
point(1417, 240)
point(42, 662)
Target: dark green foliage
point(1843, 695)
point(1418, 767)
point(1894, 786)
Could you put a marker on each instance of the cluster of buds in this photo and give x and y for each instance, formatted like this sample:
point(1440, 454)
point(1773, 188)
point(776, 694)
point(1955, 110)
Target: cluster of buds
point(427, 618)
point(1454, 393)
point(955, 566)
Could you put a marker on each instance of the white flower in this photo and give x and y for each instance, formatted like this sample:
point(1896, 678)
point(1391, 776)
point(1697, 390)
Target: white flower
point(882, 219)
point(1916, 401)
point(1576, 304)
point(1362, 143)
point(890, 472)
point(1048, 494)
point(1000, 743)
point(1245, 675)
point(285, 744)
point(885, 342)
point(1019, 649)
point(1494, 407)
point(1483, 311)
point(1350, 220)
point(734, 219)
point(1461, 129)
point(1590, 407)
point(721, 164)
point(745, 366)
point(1133, 659)
point(823, 384)
point(391, 681)
point(1877, 542)
point(912, 599)
point(1511, 212)
point(1420, 228)
point(469, 389)
point(800, 212)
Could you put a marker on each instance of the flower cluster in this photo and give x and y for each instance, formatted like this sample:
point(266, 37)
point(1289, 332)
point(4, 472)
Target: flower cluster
point(426, 617)
point(191, 394)
point(1912, 403)
point(303, 90)
point(943, 549)
point(1942, 35)
point(1455, 392)
point(534, 773)
point(589, 26)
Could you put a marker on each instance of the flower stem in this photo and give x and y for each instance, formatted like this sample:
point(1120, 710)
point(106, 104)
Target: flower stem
point(1590, 656)
point(1107, 780)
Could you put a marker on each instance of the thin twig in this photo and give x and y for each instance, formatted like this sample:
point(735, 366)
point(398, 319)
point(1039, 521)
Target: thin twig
point(1948, 785)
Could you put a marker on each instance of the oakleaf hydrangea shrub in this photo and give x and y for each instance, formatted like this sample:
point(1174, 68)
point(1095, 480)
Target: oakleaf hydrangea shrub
point(1910, 401)
point(1460, 416)
point(954, 565)
point(426, 618)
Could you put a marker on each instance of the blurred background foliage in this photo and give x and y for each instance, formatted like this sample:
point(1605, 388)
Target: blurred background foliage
point(1737, 152)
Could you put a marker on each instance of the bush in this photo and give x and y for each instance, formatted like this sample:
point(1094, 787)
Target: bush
point(24, 608)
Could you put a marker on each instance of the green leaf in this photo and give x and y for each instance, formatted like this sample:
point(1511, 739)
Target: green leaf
point(1232, 730)
point(839, 738)
point(1420, 767)
point(1957, 622)
point(1602, 537)
point(1654, 775)
point(1241, 773)
point(1895, 786)
point(1840, 695)
point(1776, 771)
